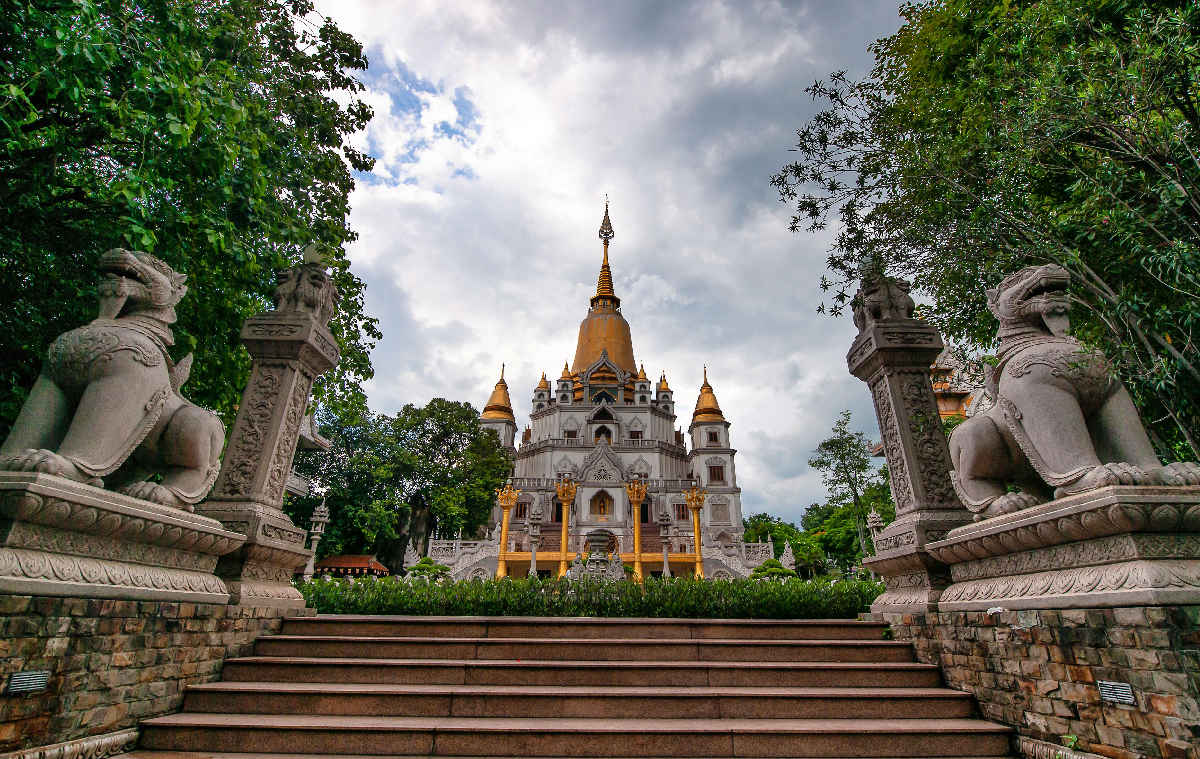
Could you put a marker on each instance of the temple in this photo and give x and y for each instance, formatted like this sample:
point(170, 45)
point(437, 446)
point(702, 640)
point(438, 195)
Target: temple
point(602, 424)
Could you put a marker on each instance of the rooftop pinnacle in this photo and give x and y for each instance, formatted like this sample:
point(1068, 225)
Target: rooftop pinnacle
point(604, 286)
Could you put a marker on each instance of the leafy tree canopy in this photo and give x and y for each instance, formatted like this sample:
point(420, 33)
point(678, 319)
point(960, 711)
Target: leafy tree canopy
point(389, 480)
point(994, 134)
point(212, 135)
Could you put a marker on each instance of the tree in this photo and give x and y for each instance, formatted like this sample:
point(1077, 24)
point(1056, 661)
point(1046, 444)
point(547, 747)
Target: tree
point(844, 460)
point(993, 135)
point(212, 135)
point(392, 481)
point(771, 569)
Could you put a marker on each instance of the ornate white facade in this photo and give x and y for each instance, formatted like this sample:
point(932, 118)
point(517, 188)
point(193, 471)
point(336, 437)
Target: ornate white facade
point(601, 423)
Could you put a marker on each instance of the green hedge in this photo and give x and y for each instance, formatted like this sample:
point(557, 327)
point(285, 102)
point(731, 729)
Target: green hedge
point(681, 598)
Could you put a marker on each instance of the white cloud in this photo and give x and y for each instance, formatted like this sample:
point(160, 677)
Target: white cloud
point(500, 128)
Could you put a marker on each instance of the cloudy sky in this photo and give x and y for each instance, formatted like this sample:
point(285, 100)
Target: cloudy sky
point(500, 128)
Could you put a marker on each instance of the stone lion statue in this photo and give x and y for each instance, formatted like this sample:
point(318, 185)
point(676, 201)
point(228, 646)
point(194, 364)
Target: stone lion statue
point(107, 403)
point(1063, 423)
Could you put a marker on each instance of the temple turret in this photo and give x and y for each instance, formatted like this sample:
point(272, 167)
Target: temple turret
point(498, 413)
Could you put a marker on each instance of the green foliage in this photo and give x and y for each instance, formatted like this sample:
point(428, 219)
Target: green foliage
point(389, 480)
point(426, 569)
point(771, 569)
point(810, 557)
point(210, 134)
point(676, 597)
point(992, 135)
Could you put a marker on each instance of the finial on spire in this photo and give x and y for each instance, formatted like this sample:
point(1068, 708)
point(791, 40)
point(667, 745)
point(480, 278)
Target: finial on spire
point(606, 230)
point(501, 371)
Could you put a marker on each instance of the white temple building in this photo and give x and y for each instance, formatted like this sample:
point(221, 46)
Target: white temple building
point(602, 423)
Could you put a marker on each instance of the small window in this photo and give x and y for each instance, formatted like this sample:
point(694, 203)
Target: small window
point(570, 434)
point(520, 510)
point(642, 399)
point(714, 438)
point(716, 474)
point(666, 396)
point(603, 432)
point(635, 435)
point(681, 512)
point(564, 399)
point(541, 406)
point(541, 396)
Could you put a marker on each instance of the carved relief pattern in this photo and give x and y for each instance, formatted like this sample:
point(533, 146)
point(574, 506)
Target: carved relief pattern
point(251, 431)
point(20, 563)
point(1087, 553)
point(41, 538)
point(276, 532)
point(914, 580)
point(273, 330)
point(1125, 576)
point(893, 446)
point(285, 447)
point(1100, 521)
point(71, 356)
point(733, 562)
point(91, 747)
point(929, 440)
point(92, 520)
point(887, 543)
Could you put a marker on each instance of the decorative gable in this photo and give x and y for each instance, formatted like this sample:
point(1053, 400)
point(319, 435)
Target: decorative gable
point(602, 465)
point(637, 425)
point(641, 467)
point(571, 423)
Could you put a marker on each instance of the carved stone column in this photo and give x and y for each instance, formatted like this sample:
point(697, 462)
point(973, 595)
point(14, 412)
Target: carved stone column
point(892, 354)
point(291, 347)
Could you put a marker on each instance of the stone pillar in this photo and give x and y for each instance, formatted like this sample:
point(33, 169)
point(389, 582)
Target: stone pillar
point(893, 354)
point(507, 498)
point(637, 494)
point(695, 502)
point(566, 496)
point(291, 346)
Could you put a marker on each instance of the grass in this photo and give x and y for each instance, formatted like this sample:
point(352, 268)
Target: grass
point(677, 598)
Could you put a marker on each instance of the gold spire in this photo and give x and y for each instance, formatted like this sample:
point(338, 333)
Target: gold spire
point(543, 385)
point(707, 408)
point(642, 373)
point(604, 286)
point(662, 383)
point(499, 406)
point(604, 329)
point(566, 375)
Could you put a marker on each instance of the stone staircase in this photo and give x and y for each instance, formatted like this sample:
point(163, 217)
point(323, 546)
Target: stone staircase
point(521, 687)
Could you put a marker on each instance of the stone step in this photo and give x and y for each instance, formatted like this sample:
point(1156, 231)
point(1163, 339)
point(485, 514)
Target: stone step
point(380, 700)
point(522, 673)
point(582, 627)
point(148, 754)
point(601, 649)
point(474, 737)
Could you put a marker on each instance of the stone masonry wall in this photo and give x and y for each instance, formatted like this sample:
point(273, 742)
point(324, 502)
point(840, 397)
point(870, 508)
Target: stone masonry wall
point(1037, 671)
point(113, 663)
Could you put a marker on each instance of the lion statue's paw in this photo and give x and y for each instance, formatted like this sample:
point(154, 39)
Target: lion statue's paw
point(1010, 502)
point(154, 493)
point(1178, 473)
point(1103, 476)
point(40, 460)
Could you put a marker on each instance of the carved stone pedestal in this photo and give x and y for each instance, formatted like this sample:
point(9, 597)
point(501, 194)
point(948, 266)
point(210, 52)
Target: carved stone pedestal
point(892, 354)
point(59, 537)
point(291, 347)
point(1116, 546)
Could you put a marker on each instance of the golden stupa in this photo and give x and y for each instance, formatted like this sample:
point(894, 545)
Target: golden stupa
point(604, 329)
point(499, 406)
point(707, 408)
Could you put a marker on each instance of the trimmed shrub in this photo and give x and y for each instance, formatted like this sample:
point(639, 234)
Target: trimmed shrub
point(676, 597)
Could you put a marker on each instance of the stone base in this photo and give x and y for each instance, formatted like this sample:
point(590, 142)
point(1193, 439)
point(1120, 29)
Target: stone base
point(260, 572)
point(913, 578)
point(59, 537)
point(1117, 546)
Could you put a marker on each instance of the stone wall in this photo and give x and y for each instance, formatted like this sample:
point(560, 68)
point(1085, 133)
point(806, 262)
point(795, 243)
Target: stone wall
point(114, 663)
point(1037, 671)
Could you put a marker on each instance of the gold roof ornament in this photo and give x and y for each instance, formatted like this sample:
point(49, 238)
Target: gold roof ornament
point(662, 383)
point(604, 329)
point(566, 375)
point(499, 406)
point(543, 385)
point(642, 373)
point(707, 408)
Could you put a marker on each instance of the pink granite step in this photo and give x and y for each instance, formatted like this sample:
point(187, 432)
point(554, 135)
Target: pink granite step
point(613, 702)
point(591, 649)
point(425, 736)
point(539, 672)
point(583, 627)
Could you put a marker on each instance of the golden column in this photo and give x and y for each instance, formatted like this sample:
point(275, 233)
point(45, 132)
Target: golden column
point(507, 498)
point(637, 494)
point(695, 501)
point(566, 496)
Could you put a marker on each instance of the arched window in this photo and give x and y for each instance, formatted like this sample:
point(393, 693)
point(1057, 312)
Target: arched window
point(603, 415)
point(541, 396)
point(602, 504)
point(603, 432)
point(642, 399)
point(564, 399)
point(541, 406)
point(603, 396)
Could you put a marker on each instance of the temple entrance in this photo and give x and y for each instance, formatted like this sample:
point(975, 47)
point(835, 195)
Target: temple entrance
point(603, 432)
point(602, 506)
